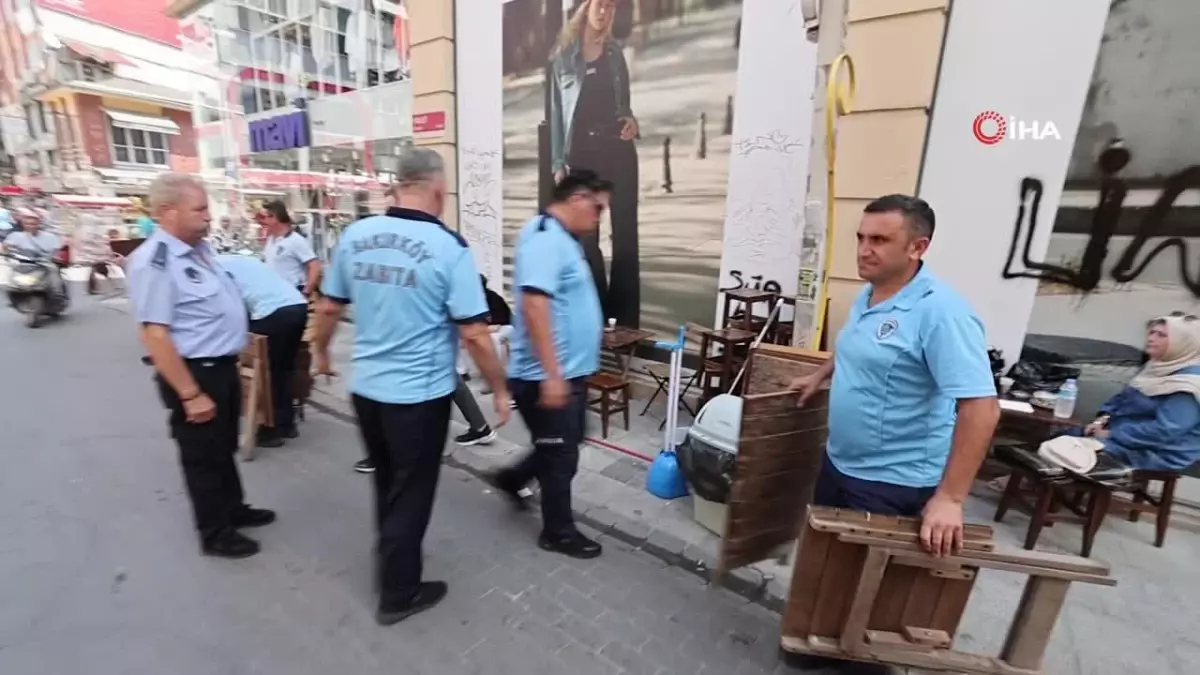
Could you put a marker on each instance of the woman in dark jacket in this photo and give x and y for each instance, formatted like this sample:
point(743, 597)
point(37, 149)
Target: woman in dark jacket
point(592, 126)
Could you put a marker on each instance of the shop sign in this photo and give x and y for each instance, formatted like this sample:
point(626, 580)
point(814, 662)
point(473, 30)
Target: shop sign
point(430, 122)
point(282, 132)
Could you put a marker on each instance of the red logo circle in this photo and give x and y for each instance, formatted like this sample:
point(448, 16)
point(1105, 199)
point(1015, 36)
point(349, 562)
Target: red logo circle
point(984, 132)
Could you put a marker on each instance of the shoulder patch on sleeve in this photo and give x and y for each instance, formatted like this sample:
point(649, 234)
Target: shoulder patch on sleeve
point(159, 260)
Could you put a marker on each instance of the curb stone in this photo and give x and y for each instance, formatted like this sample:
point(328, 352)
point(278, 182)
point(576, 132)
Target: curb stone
point(749, 583)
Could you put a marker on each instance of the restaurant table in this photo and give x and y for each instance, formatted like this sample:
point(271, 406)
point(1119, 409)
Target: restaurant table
point(1033, 427)
point(722, 366)
point(749, 297)
point(621, 342)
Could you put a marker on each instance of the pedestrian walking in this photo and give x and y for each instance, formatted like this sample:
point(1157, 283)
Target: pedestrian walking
point(278, 311)
point(416, 290)
point(287, 251)
point(193, 324)
point(557, 330)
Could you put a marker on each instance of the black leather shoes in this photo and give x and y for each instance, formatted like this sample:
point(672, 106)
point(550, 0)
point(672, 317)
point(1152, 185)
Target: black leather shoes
point(575, 545)
point(246, 516)
point(429, 593)
point(230, 543)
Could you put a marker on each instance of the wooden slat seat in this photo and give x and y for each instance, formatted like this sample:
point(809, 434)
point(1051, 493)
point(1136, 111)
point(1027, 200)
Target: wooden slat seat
point(613, 398)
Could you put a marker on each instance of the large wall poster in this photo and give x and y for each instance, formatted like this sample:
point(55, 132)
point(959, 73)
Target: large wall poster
point(633, 78)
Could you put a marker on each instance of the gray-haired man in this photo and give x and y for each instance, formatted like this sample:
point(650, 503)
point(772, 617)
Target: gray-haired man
point(417, 291)
point(193, 323)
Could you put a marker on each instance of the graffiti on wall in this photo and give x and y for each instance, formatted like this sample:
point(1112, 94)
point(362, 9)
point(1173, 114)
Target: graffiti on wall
point(1105, 224)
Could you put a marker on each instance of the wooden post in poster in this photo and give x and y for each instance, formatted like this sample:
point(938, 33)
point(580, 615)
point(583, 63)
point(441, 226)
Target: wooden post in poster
point(257, 406)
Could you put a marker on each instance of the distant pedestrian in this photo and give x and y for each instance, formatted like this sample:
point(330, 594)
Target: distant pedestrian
point(193, 323)
point(557, 330)
point(278, 311)
point(287, 251)
point(416, 290)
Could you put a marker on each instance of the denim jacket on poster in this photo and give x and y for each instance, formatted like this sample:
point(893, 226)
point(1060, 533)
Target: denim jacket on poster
point(1155, 433)
point(568, 72)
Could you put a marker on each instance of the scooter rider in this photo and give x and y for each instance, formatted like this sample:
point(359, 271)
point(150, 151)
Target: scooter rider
point(34, 239)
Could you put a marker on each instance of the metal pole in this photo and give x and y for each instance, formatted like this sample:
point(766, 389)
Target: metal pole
point(811, 293)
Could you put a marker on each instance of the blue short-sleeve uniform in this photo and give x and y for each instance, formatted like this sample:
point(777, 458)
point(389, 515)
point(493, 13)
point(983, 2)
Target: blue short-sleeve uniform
point(550, 261)
point(264, 291)
point(899, 369)
point(411, 280)
point(184, 288)
point(288, 255)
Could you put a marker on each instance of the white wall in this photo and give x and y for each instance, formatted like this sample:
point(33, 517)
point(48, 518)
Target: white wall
point(1032, 60)
point(480, 125)
point(768, 164)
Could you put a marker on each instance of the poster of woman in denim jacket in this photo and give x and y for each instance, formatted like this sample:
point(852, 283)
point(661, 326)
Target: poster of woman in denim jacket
point(592, 126)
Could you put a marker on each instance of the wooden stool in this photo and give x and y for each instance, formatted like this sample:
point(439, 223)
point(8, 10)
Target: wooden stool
point(608, 384)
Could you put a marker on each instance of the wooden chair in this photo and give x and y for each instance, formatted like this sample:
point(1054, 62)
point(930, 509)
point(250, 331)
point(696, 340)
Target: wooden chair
point(1053, 489)
point(303, 379)
point(609, 385)
point(257, 407)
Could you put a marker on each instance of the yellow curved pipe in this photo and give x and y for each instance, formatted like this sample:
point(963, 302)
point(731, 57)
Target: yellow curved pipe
point(838, 95)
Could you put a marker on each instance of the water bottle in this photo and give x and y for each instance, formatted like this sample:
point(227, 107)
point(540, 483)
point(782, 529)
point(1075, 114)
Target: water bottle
point(1064, 405)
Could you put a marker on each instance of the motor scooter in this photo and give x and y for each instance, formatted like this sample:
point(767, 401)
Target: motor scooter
point(32, 290)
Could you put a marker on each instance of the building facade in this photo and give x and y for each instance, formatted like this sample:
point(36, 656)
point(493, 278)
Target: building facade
point(103, 92)
point(314, 103)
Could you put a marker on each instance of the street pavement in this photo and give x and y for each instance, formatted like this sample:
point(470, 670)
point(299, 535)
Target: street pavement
point(100, 571)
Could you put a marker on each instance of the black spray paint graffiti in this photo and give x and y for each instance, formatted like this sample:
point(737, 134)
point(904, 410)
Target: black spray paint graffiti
point(756, 282)
point(1105, 221)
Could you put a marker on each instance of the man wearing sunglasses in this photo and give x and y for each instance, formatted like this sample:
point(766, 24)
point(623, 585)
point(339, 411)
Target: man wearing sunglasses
point(555, 346)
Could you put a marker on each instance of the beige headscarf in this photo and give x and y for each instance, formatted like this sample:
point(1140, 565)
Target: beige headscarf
point(1161, 376)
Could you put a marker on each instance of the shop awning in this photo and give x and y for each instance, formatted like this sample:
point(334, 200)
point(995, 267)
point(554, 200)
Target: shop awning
point(95, 53)
point(136, 122)
point(126, 176)
point(92, 202)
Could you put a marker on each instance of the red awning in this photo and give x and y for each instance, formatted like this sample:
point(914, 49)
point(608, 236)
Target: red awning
point(100, 54)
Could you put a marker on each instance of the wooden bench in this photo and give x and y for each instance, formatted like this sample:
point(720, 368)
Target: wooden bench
point(609, 385)
point(862, 589)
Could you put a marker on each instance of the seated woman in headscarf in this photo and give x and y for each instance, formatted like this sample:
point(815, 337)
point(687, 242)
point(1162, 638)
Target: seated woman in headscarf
point(1154, 422)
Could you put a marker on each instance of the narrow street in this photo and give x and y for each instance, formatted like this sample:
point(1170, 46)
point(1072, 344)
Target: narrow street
point(100, 571)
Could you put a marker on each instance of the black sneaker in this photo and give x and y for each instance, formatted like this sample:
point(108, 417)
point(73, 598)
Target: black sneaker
point(246, 516)
point(517, 496)
point(482, 436)
point(429, 593)
point(364, 466)
point(290, 432)
point(269, 439)
point(575, 545)
point(229, 543)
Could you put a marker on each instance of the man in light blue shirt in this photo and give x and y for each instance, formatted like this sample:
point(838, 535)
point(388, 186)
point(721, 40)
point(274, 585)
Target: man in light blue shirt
point(278, 311)
point(416, 291)
point(557, 329)
point(912, 404)
point(193, 323)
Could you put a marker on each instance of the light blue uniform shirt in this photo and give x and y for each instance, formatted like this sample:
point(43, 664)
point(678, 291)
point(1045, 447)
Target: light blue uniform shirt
point(411, 280)
point(899, 368)
point(42, 242)
point(288, 256)
point(551, 262)
point(183, 288)
point(262, 289)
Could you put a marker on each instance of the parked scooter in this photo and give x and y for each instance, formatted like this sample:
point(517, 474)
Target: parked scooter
point(32, 289)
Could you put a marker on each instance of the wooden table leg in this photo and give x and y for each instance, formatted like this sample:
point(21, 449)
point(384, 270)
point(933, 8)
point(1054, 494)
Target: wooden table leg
point(1036, 615)
point(854, 631)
